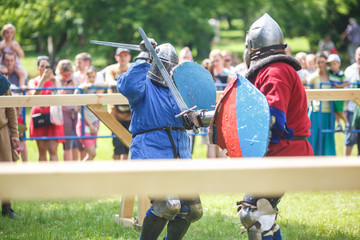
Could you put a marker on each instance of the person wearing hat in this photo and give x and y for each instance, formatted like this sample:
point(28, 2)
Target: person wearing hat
point(9, 138)
point(120, 112)
point(338, 79)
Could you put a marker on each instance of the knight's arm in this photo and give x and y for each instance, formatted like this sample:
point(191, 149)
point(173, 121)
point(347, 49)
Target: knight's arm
point(131, 84)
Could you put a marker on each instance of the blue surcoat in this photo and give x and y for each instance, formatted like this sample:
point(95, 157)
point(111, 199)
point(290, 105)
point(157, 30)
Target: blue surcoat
point(151, 107)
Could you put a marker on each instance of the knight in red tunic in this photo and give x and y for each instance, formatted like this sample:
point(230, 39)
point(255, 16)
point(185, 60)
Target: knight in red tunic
point(274, 74)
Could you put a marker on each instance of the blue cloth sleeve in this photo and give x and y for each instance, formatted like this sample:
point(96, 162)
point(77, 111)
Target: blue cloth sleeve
point(4, 84)
point(279, 130)
point(131, 84)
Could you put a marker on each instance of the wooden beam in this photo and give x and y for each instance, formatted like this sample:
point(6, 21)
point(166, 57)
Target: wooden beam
point(62, 100)
point(332, 94)
point(117, 98)
point(74, 180)
point(119, 130)
point(357, 101)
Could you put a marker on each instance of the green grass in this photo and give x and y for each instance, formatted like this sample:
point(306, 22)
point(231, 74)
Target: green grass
point(302, 216)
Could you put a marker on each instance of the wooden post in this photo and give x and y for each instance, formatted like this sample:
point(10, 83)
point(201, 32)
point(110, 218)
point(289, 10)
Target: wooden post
point(122, 133)
point(125, 216)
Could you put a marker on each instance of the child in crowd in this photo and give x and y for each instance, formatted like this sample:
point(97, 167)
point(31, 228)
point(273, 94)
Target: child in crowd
point(91, 122)
point(301, 57)
point(310, 62)
point(8, 44)
point(337, 77)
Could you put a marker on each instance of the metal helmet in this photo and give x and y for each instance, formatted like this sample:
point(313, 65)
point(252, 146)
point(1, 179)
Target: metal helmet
point(168, 56)
point(264, 36)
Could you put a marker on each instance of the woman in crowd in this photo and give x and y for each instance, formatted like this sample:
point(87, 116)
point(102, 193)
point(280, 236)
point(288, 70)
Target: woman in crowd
point(45, 79)
point(64, 74)
point(320, 79)
point(220, 73)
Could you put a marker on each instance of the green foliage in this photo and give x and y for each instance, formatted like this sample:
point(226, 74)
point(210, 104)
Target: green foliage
point(70, 24)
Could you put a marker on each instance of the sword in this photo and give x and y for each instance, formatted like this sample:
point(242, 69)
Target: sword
point(178, 98)
point(117, 45)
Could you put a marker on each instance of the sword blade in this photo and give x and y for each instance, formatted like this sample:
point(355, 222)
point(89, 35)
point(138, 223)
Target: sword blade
point(117, 45)
point(178, 98)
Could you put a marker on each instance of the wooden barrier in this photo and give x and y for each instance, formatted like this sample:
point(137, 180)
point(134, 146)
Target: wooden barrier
point(117, 98)
point(55, 181)
point(71, 180)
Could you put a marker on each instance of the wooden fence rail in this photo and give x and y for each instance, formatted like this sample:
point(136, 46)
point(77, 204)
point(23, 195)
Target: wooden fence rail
point(185, 177)
point(78, 100)
point(69, 180)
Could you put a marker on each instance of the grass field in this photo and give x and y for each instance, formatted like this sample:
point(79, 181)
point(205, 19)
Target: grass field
point(315, 216)
point(308, 216)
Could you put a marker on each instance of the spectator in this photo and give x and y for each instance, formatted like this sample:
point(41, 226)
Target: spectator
point(8, 44)
point(185, 55)
point(356, 124)
point(221, 76)
point(301, 57)
point(310, 64)
point(320, 79)
point(326, 45)
point(352, 74)
point(120, 112)
point(241, 68)
point(352, 32)
point(64, 74)
point(83, 61)
point(9, 138)
point(45, 79)
point(17, 76)
point(338, 79)
point(91, 122)
point(228, 62)
point(206, 63)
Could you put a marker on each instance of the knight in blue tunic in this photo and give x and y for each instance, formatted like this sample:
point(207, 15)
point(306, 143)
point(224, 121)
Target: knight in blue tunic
point(158, 134)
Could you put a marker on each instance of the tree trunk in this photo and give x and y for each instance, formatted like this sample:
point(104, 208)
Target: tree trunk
point(228, 18)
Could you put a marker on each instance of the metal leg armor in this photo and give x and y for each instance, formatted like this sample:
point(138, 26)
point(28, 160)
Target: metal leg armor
point(179, 213)
point(258, 216)
point(166, 208)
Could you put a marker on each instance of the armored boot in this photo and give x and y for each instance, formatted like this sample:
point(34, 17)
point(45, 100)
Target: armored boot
point(273, 234)
point(7, 210)
point(152, 227)
point(177, 228)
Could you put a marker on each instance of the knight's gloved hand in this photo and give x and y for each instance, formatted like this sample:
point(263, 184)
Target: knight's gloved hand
point(187, 121)
point(143, 47)
point(144, 54)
